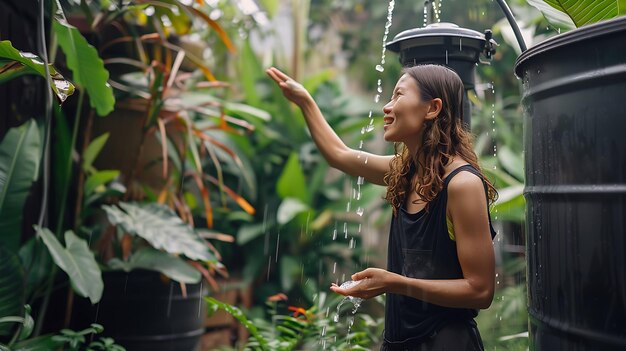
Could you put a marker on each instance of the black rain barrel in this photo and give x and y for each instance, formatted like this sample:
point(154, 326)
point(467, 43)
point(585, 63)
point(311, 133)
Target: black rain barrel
point(574, 104)
point(144, 312)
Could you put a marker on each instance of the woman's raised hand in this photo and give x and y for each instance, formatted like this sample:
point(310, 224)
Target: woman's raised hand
point(292, 90)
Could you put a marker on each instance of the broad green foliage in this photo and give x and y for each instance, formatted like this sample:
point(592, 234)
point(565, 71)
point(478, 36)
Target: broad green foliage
point(20, 151)
point(173, 267)
point(87, 67)
point(307, 329)
point(577, 13)
point(14, 63)
point(77, 261)
point(11, 288)
point(161, 227)
point(291, 182)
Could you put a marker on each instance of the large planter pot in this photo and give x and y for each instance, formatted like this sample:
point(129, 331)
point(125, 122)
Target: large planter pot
point(143, 312)
point(574, 104)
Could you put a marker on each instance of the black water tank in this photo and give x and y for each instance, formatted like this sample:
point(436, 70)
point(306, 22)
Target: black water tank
point(144, 312)
point(575, 156)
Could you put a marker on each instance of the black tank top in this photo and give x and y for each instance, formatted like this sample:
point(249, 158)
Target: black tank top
point(419, 247)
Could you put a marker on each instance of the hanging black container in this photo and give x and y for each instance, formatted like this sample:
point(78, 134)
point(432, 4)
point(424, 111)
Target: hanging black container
point(445, 44)
point(144, 312)
point(574, 104)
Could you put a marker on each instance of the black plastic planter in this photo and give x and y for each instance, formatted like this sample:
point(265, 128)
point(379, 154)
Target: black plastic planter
point(142, 312)
point(575, 156)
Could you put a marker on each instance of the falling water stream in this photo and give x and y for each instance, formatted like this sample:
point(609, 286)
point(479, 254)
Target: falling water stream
point(356, 191)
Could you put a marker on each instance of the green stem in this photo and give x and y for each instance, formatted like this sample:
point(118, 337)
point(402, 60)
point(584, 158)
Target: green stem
point(68, 165)
point(59, 228)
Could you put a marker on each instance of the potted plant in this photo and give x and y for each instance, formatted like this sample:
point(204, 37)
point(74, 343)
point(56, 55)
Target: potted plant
point(574, 84)
point(188, 188)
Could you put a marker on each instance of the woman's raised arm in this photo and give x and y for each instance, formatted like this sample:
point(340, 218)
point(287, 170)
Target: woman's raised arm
point(334, 150)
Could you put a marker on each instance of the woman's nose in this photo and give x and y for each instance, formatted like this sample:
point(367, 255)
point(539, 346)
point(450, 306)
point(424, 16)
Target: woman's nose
point(387, 107)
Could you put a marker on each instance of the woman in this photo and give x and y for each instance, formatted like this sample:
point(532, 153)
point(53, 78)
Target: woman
point(440, 257)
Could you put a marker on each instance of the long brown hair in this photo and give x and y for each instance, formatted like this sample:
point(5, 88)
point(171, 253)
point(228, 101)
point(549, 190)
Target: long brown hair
point(443, 138)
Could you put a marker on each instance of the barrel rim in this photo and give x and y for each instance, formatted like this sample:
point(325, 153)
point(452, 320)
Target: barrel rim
point(577, 35)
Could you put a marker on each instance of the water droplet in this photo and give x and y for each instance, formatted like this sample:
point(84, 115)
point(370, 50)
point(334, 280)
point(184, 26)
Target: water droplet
point(377, 98)
point(360, 211)
point(360, 180)
point(369, 128)
point(345, 230)
point(334, 267)
point(335, 234)
point(380, 68)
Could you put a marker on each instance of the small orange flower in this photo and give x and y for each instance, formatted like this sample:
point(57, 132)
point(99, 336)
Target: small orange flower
point(297, 311)
point(277, 297)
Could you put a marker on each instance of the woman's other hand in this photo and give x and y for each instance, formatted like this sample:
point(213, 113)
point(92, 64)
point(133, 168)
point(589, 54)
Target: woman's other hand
point(292, 90)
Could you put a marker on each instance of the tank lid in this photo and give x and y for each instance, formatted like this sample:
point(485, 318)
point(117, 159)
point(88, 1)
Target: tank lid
point(574, 36)
point(434, 30)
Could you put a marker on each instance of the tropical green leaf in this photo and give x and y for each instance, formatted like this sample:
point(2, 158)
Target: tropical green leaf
point(214, 305)
point(577, 13)
point(161, 227)
point(289, 271)
point(35, 256)
point(291, 182)
point(77, 261)
point(288, 209)
point(20, 152)
point(249, 232)
point(510, 205)
point(173, 267)
point(87, 67)
point(42, 343)
point(31, 64)
point(92, 151)
point(99, 178)
point(511, 162)
point(246, 110)
point(11, 288)
point(28, 325)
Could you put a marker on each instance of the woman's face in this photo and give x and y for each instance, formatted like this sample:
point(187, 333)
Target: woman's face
point(406, 113)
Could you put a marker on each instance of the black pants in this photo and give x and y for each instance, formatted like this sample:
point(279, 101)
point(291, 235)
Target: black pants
point(456, 336)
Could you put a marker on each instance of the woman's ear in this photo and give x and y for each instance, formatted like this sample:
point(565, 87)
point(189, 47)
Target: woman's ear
point(434, 108)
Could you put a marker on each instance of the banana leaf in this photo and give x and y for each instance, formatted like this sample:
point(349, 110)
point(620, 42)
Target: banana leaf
point(20, 152)
point(577, 13)
point(11, 289)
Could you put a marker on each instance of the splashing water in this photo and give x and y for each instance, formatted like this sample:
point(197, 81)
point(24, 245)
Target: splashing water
point(356, 301)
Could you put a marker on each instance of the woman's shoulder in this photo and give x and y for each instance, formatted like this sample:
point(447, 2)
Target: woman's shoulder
point(464, 184)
